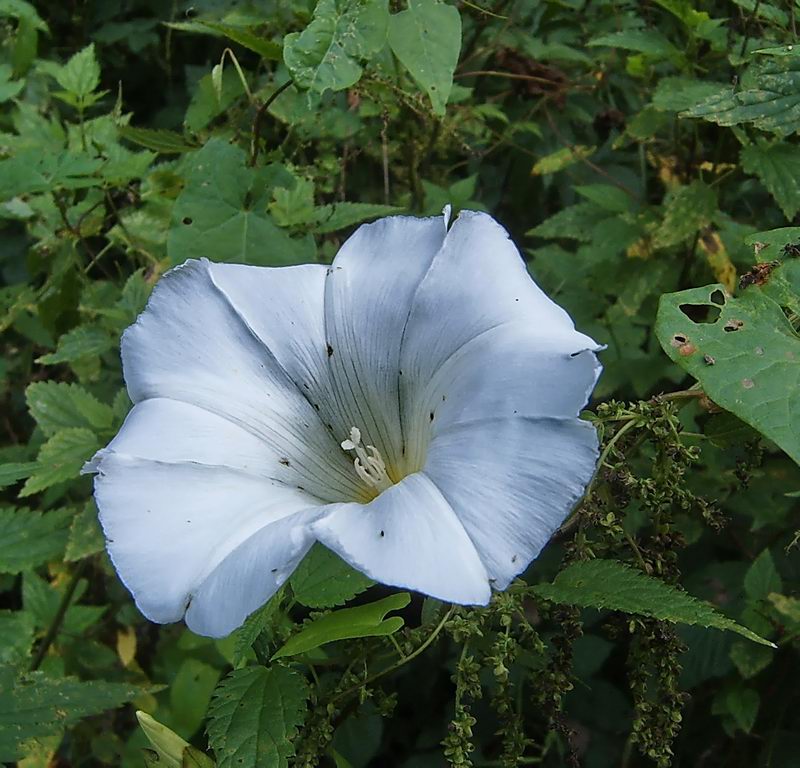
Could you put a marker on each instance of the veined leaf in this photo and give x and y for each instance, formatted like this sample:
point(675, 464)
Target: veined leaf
point(80, 76)
point(762, 577)
point(326, 54)
point(33, 706)
point(323, 579)
point(16, 636)
point(254, 715)
point(426, 38)
point(28, 538)
point(337, 216)
point(560, 159)
point(347, 623)
point(747, 360)
point(56, 405)
point(769, 98)
point(85, 535)
point(616, 586)
point(13, 472)
point(650, 42)
point(267, 49)
point(82, 341)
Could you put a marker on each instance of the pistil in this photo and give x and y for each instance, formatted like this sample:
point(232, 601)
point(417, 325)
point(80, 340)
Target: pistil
point(369, 464)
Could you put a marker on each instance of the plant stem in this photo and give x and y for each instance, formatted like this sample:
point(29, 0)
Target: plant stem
point(258, 119)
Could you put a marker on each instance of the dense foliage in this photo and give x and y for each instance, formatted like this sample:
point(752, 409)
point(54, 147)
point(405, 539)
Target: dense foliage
point(636, 151)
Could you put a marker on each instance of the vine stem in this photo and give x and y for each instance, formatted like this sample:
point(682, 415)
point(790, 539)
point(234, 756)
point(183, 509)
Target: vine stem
point(433, 635)
point(258, 119)
point(58, 619)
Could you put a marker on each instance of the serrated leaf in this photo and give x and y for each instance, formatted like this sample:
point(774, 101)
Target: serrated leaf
point(34, 706)
point(426, 38)
point(613, 585)
point(324, 580)
point(777, 166)
point(769, 98)
point(363, 621)
point(326, 55)
point(267, 49)
point(253, 626)
point(743, 704)
point(161, 140)
point(85, 535)
point(82, 341)
point(650, 42)
point(577, 222)
point(676, 94)
point(750, 659)
point(56, 405)
point(15, 471)
point(61, 458)
point(80, 76)
point(747, 360)
point(762, 577)
point(28, 538)
point(336, 216)
point(221, 214)
point(254, 716)
point(686, 210)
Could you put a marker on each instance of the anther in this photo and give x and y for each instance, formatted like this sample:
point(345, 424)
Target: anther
point(368, 464)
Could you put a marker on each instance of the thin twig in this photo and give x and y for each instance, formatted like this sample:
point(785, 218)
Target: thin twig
point(258, 119)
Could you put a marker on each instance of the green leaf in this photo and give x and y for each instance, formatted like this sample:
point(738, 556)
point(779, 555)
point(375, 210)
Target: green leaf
point(61, 458)
point(172, 750)
point(28, 539)
point(16, 636)
point(686, 210)
point(762, 577)
point(56, 405)
point(15, 471)
point(616, 586)
point(254, 716)
point(295, 205)
point(747, 360)
point(773, 244)
point(607, 196)
point(82, 341)
point(337, 216)
point(221, 214)
point(85, 535)
point(650, 42)
point(161, 140)
point(769, 99)
point(323, 579)
point(676, 94)
point(362, 621)
point(80, 76)
point(742, 704)
point(34, 706)
point(253, 626)
point(777, 166)
point(326, 54)
point(426, 39)
point(750, 659)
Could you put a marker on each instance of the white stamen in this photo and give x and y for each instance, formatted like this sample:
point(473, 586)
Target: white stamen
point(371, 469)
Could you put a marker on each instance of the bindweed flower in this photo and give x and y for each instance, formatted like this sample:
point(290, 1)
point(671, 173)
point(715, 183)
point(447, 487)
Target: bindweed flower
point(414, 407)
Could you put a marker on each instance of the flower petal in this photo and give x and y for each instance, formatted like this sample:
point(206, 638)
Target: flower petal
point(190, 344)
point(180, 532)
point(368, 296)
point(408, 537)
point(511, 482)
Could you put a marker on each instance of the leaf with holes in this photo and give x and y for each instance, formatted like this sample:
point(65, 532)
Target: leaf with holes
point(747, 358)
point(254, 716)
point(364, 621)
point(326, 55)
point(616, 586)
point(426, 38)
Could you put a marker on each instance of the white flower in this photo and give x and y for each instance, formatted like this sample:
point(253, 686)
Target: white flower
point(413, 407)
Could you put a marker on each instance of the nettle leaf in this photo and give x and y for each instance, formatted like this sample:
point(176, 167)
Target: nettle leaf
point(777, 166)
point(686, 210)
point(56, 405)
point(254, 716)
point(676, 94)
point(221, 214)
point(14, 471)
point(81, 74)
point(326, 54)
point(34, 706)
point(613, 585)
point(426, 38)
point(362, 621)
point(82, 341)
point(28, 539)
point(324, 580)
point(769, 98)
point(650, 42)
point(336, 216)
point(267, 49)
point(747, 360)
point(61, 458)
